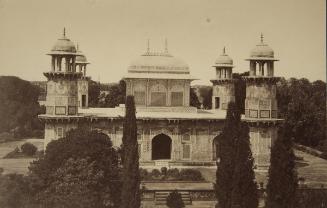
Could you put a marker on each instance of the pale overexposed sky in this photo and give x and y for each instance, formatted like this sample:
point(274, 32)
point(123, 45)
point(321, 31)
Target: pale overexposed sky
point(113, 33)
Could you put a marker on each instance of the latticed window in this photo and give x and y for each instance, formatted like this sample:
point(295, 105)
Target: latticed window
point(139, 97)
point(158, 99)
point(177, 98)
point(60, 132)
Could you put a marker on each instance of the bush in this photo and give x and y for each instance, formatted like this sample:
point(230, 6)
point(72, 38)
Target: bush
point(173, 174)
point(174, 200)
point(28, 149)
point(155, 173)
point(164, 171)
point(13, 154)
point(190, 175)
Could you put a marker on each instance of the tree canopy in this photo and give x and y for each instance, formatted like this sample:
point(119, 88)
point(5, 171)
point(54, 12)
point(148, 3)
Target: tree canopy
point(62, 166)
point(19, 106)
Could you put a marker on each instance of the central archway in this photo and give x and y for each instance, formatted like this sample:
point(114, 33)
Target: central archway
point(161, 147)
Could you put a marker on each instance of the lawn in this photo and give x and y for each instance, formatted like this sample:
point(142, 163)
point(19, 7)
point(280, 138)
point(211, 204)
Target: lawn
point(19, 165)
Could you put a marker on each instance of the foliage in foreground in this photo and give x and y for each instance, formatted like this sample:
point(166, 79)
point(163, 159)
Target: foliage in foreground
point(235, 185)
point(282, 183)
point(130, 195)
point(171, 175)
point(83, 163)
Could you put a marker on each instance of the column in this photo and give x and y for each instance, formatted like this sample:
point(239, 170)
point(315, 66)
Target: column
point(53, 63)
point(59, 63)
point(73, 64)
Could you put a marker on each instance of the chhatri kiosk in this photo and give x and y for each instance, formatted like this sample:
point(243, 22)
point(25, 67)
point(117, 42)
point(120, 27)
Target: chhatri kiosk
point(170, 131)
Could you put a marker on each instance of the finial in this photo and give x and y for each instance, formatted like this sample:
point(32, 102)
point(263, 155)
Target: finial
point(148, 46)
point(64, 32)
point(224, 50)
point(166, 45)
point(77, 47)
point(261, 38)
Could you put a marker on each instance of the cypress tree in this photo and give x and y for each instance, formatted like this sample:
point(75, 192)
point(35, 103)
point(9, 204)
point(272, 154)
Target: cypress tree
point(130, 196)
point(282, 183)
point(244, 187)
point(225, 167)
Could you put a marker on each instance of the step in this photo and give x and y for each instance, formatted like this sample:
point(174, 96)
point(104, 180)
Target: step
point(161, 197)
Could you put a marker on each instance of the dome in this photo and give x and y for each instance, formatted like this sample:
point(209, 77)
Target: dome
point(80, 59)
point(63, 46)
point(262, 50)
point(158, 62)
point(224, 60)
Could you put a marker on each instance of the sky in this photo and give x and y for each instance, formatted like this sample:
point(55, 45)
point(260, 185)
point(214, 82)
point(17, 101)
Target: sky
point(112, 33)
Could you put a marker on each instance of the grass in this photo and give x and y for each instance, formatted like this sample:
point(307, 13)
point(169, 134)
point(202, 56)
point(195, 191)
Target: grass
point(17, 165)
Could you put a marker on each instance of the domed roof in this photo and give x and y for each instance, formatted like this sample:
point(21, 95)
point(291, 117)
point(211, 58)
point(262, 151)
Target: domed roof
point(63, 46)
point(80, 58)
point(224, 60)
point(262, 50)
point(158, 62)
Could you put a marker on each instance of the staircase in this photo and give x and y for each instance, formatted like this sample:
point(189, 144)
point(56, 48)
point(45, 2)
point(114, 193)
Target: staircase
point(161, 197)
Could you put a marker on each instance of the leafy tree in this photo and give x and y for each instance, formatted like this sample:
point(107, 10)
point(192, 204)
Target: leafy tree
point(303, 106)
point(92, 146)
point(226, 166)
point(19, 105)
point(240, 90)
point(174, 200)
point(74, 184)
point(194, 101)
point(15, 192)
point(130, 195)
point(116, 96)
point(244, 187)
point(94, 93)
point(282, 183)
point(28, 149)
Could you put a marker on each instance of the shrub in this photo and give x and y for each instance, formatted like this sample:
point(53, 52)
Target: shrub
point(13, 154)
point(174, 200)
point(28, 149)
point(144, 174)
point(190, 175)
point(164, 171)
point(155, 173)
point(173, 173)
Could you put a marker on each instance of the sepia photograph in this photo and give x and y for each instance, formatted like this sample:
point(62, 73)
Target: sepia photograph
point(163, 104)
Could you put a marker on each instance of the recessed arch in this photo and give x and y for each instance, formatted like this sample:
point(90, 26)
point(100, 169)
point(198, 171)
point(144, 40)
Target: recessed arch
point(215, 148)
point(161, 147)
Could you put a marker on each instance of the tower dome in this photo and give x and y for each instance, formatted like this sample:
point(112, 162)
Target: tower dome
point(63, 46)
point(80, 58)
point(262, 50)
point(224, 60)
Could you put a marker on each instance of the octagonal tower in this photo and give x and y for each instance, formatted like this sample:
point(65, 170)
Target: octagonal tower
point(261, 102)
point(62, 90)
point(223, 86)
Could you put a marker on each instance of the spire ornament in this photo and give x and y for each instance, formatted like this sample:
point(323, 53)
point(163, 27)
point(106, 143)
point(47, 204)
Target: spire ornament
point(166, 45)
point(261, 37)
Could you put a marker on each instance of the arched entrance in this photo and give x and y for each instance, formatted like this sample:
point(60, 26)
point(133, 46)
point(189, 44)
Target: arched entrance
point(161, 147)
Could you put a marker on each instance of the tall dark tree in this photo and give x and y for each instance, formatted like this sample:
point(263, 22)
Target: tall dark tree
point(282, 183)
point(226, 165)
point(130, 195)
point(244, 188)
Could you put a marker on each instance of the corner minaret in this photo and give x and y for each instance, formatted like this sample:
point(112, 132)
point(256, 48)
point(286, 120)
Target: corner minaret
point(223, 86)
point(83, 83)
point(62, 95)
point(261, 102)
